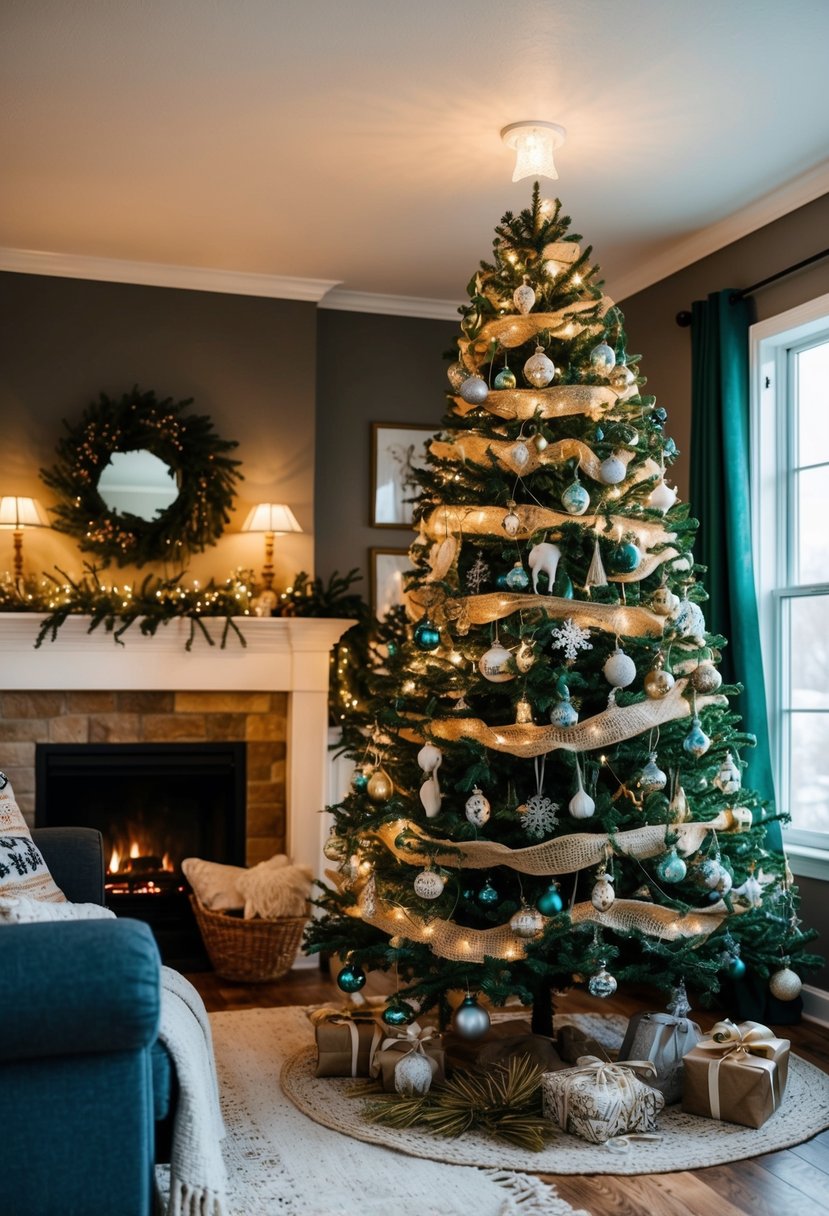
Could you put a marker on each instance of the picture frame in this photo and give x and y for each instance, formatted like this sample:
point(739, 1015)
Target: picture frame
point(386, 569)
point(397, 452)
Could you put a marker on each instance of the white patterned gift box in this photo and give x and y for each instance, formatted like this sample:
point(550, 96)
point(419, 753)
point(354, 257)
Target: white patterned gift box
point(598, 1101)
point(664, 1040)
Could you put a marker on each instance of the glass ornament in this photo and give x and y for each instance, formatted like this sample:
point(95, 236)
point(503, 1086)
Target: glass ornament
point(602, 984)
point(670, 867)
point(729, 779)
point(524, 297)
point(550, 902)
point(335, 848)
point(564, 714)
point(520, 454)
point(526, 922)
point(625, 558)
point(603, 895)
point(735, 968)
point(660, 415)
point(622, 377)
point(501, 582)
point(511, 523)
point(505, 379)
point(705, 678)
point(539, 369)
point(474, 390)
point(662, 497)
point(488, 895)
point(658, 682)
point(494, 664)
point(352, 978)
point(619, 669)
point(696, 743)
point(398, 1014)
point(581, 805)
point(471, 1021)
point(456, 373)
point(603, 358)
point(477, 808)
point(359, 782)
point(428, 884)
point(540, 442)
point(575, 499)
point(785, 984)
point(652, 778)
point(612, 470)
point(563, 584)
point(380, 787)
point(427, 636)
point(517, 578)
point(413, 1075)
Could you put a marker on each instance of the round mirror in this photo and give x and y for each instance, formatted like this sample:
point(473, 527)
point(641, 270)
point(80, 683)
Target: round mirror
point(138, 483)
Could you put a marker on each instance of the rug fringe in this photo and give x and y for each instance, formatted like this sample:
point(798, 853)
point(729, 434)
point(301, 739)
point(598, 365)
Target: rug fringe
point(187, 1200)
point(530, 1196)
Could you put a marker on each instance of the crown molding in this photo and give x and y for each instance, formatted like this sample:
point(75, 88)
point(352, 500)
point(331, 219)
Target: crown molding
point(393, 306)
point(159, 274)
point(772, 206)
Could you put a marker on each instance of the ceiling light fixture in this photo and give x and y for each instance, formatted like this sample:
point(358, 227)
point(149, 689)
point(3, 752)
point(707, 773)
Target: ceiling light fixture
point(534, 143)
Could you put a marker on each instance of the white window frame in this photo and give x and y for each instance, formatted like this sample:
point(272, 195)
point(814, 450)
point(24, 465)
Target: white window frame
point(772, 438)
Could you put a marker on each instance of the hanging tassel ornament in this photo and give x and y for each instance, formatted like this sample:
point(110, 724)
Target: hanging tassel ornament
point(596, 576)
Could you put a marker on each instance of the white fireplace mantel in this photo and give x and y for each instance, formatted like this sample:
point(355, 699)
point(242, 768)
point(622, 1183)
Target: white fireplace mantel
point(283, 654)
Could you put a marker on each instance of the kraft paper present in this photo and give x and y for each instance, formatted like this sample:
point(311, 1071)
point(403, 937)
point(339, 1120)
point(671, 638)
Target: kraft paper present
point(737, 1074)
point(600, 1101)
point(393, 1045)
point(664, 1040)
point(501, 1042)
point(344, 1042)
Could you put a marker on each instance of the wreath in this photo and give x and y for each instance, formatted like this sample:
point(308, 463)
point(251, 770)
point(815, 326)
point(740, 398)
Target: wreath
point(205, 475)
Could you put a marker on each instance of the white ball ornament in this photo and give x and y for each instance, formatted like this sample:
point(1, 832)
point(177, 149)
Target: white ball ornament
point(539, 369)
point(526, 922)
point(494, 664)
point(662, 497)
point(620, 669)
point(612, 470)
point(474, 390)
point(785, 984)
point(524, 297)
point(477, 808)
point(413, 1075)
point(429, 884)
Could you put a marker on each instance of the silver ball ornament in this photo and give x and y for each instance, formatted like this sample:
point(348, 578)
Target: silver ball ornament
point(603, 358)
point(652, 778)
point(413, 1075)
point(612, 470)
point(539, 369)
point(474, 390)
point(470, 1020)
point(785, 984)
point(477, 808)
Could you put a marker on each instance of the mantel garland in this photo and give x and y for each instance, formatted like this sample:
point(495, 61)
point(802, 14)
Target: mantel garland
point(205, 474)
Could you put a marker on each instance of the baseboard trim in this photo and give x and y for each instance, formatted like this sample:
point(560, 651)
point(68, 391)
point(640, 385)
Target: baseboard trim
point(816, 1005)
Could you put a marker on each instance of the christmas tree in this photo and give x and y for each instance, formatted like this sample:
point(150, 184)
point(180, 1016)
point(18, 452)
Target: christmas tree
point(548, 783)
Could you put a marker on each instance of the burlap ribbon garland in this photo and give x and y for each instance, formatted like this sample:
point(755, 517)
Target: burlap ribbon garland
point(336, 1017)
point(753, 1048)
point(477, 448)
point(563, 855)
point(497, 605)
point(516, 329)
point(561, 401)
point(603, 730)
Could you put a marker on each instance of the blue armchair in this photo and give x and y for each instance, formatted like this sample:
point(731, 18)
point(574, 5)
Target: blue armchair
point(82, 1075)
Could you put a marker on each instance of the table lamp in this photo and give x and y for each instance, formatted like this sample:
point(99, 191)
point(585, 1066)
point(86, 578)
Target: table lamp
point(19, 513)
point(272, 518)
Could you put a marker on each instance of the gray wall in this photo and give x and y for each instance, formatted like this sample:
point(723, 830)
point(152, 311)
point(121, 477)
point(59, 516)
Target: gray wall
point(666, 350)
point(370, 368)
point(248, 363)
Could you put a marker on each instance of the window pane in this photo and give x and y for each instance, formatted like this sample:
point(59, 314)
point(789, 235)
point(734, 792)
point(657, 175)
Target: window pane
point(813, 532)
point(809, 781)
point(809, 653)
point(813, 414)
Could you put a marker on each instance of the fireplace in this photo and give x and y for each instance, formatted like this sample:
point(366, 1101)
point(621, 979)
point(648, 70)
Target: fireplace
point(154, 804)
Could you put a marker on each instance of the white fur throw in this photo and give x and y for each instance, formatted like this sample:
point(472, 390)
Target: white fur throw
point(216, 886)
point(274, 892)
point(20, 910)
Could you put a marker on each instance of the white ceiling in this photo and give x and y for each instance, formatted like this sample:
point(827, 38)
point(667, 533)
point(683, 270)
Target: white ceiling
point(358, 141)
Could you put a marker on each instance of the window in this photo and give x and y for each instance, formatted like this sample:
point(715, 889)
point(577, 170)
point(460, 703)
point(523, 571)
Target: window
point(790, 488)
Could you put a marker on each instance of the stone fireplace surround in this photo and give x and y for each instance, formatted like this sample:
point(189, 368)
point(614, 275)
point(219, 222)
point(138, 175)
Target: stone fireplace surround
point(272, 693)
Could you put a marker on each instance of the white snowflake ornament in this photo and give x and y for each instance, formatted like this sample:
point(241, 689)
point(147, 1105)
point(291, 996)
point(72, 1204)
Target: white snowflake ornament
point(539, 815)
point(572, 638)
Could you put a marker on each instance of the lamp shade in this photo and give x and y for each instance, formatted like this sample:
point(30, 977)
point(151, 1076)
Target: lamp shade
point(16, 512)
point(534, 143)
point(271, 517)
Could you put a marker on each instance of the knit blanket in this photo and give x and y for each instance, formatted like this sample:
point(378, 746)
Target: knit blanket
point(198, 1179)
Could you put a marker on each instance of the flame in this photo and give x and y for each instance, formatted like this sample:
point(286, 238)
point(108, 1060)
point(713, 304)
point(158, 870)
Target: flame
point(123, 854)
point(135, 849)
point(167, 863)
point(114, 862)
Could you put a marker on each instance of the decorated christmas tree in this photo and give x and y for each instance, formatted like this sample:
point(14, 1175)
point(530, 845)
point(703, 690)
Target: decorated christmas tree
point(548, 782)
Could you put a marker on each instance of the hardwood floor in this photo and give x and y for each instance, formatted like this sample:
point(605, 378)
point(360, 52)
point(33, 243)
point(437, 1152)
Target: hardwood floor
point(794, 1182)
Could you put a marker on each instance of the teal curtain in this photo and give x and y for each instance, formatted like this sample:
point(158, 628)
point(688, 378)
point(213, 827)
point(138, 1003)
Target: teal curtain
point(720, 499)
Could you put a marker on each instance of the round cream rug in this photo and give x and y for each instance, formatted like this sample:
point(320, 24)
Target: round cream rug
point(688, 1142)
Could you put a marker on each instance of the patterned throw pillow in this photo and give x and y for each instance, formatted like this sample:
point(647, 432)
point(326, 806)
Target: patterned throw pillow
point(23, 872)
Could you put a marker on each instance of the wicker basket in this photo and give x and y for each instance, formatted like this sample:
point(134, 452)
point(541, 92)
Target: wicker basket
point(249, 951)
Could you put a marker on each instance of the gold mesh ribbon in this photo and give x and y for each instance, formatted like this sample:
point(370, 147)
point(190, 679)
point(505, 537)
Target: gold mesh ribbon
point(496, 605)
point(516, 329)
point(564, 855)
point(465, 446)
point(560, 401)
point(603, 730)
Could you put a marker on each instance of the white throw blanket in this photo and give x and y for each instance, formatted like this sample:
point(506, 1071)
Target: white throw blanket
point(198, 1179)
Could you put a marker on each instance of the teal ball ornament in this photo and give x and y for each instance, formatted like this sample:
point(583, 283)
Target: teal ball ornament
point(735, 969)
point(352, 978)
point(550, 903)
point(575, 499)
point(427, 636)
point(501, 582)
point(563, 584)
point(488, 896)
point(398, 1014)
point(670, 867)
point(517, 578)
point(391, 647)
point(625, 558)
point(505, 379)
point(603, 358)
point(359, 783)
point(470, 1021)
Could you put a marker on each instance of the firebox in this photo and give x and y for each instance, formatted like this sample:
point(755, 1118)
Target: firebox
point(154, 804)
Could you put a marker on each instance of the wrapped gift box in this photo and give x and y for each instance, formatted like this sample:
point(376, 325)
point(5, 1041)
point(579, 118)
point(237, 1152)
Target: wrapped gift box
point(345, 1039)
point(664, 1040)
point(737, 1074)
point(501, 1042)
point(393, 1045)
point(598, 1100)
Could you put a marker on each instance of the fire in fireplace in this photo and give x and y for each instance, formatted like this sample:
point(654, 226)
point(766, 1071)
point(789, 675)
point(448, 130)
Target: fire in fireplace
point(154, 804)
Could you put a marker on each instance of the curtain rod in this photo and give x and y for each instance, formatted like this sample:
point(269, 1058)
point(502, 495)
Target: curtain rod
point(683, 318)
